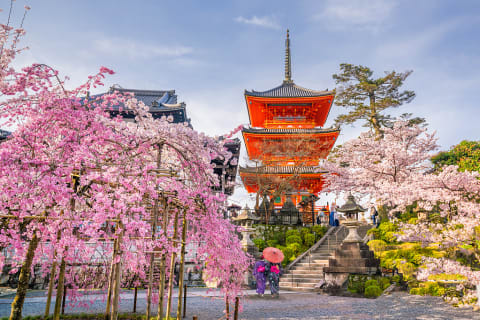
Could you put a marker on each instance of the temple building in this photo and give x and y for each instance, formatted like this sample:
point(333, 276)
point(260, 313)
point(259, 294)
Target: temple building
point(4, 135)
point(164, 103)
point(286, 139)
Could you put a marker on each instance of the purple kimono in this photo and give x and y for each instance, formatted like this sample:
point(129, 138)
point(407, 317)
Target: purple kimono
point(260, 276)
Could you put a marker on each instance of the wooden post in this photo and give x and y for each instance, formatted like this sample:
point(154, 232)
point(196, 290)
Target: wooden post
point(60, 285)
point(235, 314)
point(51, 282)
point(117, 281)
point(182, 265)
point(135, 300)
point(154, 230)
point(110, 281)
point(64, 298)
point(195, 318)
point(17, 304)
point(172, 266)
point(184, 300)
point(163, 263)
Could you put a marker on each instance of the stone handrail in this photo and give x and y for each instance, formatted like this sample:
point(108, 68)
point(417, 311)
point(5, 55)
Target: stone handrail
point(312, 248)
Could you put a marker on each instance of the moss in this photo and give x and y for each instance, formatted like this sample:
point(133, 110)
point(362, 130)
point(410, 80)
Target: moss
point(373, 291)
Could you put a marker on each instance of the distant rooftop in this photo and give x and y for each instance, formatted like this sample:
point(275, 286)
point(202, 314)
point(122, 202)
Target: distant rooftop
point(4, 134)
point(160, 103)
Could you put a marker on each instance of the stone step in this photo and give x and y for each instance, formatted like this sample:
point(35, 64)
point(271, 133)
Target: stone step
point(298, 284)
point(302, 275)
point(312, 266)
point(297, 289)
point(301, 280)
point(305, 271)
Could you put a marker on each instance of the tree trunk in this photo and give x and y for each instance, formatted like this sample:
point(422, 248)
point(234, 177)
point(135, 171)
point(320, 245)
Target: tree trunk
point(182, 264)
point(172, 266)
point(50, 289)
point(17, 304)
point(60, 287)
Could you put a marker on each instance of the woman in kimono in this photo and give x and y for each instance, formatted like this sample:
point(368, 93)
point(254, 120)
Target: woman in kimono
point(259, 272)
point(274, 271)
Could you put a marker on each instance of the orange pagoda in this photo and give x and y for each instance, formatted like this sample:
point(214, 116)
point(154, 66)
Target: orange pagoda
point(286, 140)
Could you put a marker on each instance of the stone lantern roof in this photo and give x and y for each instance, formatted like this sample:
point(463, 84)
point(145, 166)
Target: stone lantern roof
point(351, 206)
point(246, 216)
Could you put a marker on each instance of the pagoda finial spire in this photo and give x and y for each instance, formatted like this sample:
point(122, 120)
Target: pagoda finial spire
point(288, 63)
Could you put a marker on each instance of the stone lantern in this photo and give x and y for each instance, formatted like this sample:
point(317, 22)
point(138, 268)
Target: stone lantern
point(246, 219)
point(351, 210)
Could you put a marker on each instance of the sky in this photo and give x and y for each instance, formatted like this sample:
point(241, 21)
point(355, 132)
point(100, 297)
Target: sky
point(211, 51)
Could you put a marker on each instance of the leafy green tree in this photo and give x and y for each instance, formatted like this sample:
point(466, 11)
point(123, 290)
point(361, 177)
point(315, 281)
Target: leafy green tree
point(466, 155)
point(367, 97)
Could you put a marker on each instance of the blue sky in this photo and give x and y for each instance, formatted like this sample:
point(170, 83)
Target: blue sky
point(210, 51)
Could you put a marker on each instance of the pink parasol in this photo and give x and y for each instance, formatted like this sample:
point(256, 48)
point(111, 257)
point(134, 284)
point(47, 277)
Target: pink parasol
point(273, 255)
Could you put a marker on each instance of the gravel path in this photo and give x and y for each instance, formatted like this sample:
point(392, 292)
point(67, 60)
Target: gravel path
point(306, 306)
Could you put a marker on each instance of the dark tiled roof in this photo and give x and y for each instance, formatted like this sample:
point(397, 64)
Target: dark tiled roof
point(283, 169)
point(288, 90)
point(4, 134)
point(160, 103)
point(290, 130)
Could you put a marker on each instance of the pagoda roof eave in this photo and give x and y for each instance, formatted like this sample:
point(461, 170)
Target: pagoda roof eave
point(289, 90)
point(282, 170)
point(291, 131)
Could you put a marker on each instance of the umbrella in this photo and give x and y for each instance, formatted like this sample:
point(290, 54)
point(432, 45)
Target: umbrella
point(273, 255)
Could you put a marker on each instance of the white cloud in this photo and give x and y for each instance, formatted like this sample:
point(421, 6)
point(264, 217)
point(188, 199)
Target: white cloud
point(265, 21)
point(138, 50)
point(367, 14)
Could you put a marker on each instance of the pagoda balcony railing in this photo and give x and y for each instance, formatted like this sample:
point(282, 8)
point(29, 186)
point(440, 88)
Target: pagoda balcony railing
point(291, 218)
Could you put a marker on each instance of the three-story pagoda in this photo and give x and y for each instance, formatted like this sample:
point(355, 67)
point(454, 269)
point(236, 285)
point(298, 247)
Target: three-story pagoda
point(286, 139)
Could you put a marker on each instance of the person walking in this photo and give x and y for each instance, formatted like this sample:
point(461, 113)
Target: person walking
point(274, 271)
point(373, 215)
point(260, 274)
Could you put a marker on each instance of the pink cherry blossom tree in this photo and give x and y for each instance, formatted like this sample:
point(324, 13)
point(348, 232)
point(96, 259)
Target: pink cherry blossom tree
point(395, 172)
point(72, 180)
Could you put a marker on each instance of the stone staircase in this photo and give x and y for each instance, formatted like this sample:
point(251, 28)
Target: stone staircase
point(307, 270)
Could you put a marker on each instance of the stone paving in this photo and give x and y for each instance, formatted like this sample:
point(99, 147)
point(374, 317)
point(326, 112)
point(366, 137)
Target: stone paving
point(289, 305)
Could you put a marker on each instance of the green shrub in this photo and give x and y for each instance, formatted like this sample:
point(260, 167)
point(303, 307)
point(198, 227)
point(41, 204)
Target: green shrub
point(309, 240)
point(319, 230)
point(373, 291)
point(295, 247)
point(260, 243)
point(384, 283)
point(371, 282)
point(272, 243)
point(304, 231)
point(293, 232)
point(377, 245)
point(434, 289)
point(396, 278)
point(390, 237)
point(287, 252)
point(293, 239)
